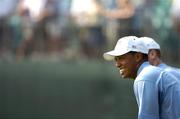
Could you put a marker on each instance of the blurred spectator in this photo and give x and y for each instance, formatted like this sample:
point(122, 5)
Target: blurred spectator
point(144, 16)
point(90, 23)
point(22, 31)
point(60, 27)
point(110, 25)
point(174, 39)
point(51, 27)
point(35, 7)
point(22, 24)
point(123, 13)
point(47, 24)
point(175, 11)
point(7, 8)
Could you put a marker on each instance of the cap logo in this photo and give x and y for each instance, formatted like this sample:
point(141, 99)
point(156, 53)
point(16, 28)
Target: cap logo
point(133, 46)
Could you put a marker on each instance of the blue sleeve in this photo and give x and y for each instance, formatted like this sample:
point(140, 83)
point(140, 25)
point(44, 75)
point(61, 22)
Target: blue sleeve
point(174, 71)
point(171, 99)
point(146, 93)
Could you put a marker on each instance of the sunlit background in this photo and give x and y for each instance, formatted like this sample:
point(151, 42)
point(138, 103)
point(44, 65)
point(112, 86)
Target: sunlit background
point(51, 63)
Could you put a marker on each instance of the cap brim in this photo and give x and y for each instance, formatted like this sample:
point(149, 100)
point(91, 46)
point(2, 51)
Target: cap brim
point(111, 54)
point(108, 56)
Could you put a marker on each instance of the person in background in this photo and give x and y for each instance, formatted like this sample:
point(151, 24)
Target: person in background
point(154, 56)
point(157, 92)
point(89, 23)
point(22, 32)
point(7, 9)
point(123, 13)
point(174, 43)
point(175, 9)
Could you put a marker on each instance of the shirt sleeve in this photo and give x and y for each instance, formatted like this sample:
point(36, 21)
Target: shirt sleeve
point(146, 93)
point(171, 99)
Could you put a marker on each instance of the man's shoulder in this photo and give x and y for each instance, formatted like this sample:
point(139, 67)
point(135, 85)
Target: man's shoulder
point(173, 70)
point(149, 73)
point(170, 68)
point(151, 70)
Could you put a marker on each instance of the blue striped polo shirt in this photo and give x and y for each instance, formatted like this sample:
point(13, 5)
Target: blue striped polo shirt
point(157, 93)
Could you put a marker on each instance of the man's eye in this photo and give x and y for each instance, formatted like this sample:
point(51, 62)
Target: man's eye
point(117, 58)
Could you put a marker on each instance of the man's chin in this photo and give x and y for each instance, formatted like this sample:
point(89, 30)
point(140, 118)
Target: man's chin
point(123, 76)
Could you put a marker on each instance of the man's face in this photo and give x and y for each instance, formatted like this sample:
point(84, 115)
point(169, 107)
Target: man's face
point(153, 57)
point(127, 65)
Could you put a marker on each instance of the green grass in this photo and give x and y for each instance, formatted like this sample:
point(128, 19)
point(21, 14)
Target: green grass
point(65, 90)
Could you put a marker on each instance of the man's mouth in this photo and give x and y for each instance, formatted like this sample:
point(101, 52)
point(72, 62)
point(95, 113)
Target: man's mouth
point(121, 71)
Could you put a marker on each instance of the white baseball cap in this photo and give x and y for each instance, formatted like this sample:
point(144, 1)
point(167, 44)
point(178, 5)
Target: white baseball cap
point(150, 43)
point(125, 45)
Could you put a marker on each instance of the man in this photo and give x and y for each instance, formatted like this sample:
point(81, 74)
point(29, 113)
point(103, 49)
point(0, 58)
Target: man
point(157, 92)
point(154, 56)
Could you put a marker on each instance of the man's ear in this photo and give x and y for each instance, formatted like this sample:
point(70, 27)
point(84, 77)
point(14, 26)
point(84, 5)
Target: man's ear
point(138, 57)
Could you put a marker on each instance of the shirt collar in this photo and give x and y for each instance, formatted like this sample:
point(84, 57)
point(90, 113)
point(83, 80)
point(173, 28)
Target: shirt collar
point(142, 66)
point(162, 65)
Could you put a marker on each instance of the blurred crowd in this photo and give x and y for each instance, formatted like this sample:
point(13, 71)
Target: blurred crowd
point(72, 29)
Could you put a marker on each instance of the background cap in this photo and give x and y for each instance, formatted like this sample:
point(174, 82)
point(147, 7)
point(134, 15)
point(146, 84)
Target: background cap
point(150, 43)
point(125, 45)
